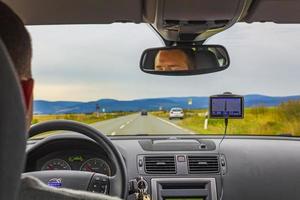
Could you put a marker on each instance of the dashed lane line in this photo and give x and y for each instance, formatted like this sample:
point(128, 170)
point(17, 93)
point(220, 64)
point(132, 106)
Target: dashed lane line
point(121, 127)
point(174, 125)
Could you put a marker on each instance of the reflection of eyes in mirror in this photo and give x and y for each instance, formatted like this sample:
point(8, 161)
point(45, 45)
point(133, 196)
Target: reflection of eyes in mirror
point(172, 60)
point(187, 60)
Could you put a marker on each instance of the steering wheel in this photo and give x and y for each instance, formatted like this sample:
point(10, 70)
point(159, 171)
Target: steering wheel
point(115, 185)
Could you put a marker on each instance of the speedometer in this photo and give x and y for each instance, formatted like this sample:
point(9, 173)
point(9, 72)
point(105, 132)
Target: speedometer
point(96, 165)
point(56, 164)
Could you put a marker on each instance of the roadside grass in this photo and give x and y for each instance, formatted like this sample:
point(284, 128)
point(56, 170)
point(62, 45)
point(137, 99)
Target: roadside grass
point(85, 118)
point(260, 120)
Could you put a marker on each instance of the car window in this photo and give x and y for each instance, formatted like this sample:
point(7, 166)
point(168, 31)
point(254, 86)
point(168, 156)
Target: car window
point(176, 109)
point(90, 73)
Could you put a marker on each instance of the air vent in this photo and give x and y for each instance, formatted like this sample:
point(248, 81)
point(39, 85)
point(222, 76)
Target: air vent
point(203, 164)
point(160, 165)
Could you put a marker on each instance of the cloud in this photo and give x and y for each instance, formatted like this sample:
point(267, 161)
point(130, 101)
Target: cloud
point(88, 62)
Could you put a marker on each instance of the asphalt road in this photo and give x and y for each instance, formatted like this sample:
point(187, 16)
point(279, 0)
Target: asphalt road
point(136, 124)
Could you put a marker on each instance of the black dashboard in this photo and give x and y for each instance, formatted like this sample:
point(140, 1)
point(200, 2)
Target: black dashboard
point(82, 160)
point(188, 166)
point(70, 154)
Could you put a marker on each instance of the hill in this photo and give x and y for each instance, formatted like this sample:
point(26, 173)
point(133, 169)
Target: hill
point(113, 105)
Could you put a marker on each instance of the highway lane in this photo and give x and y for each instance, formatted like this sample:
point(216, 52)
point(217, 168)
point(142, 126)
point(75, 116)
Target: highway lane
point(136, 124)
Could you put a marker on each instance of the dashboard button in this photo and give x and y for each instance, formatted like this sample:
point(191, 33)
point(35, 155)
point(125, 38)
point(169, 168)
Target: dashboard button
point(140, 162)
point(181, 158)
point(99, 184)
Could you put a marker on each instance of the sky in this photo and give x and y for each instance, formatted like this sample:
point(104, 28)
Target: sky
point(91, 62)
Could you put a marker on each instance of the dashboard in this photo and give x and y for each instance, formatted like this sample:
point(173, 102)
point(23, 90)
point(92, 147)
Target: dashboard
point(184, 167)
point(81, 160)
point(74, 154)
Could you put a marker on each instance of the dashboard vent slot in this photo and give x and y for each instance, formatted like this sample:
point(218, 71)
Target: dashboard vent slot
point(203, 164)
point(160, 165)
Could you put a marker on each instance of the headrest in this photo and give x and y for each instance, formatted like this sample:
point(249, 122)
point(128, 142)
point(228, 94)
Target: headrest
point(206, 59)
point(12, 128)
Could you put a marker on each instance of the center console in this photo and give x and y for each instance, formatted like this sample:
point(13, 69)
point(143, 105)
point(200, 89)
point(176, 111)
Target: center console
point(184, 189)
point(181, 170)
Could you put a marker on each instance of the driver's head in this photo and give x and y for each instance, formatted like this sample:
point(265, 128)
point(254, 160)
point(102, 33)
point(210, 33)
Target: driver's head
point(172, 60)
point(18, 43)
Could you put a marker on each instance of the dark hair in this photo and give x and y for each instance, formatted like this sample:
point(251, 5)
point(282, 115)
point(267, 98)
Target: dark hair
point(16, 39)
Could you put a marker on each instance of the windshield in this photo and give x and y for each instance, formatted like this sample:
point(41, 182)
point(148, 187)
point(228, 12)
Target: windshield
point(176, 110)
point(90, 73)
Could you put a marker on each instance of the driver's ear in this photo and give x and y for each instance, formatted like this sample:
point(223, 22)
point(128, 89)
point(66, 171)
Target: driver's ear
point(27, 86)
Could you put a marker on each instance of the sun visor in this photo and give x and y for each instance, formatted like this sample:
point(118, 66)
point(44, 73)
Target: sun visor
point(43, 12)
point(278, 11)
point(178, 20)
point(204, 10)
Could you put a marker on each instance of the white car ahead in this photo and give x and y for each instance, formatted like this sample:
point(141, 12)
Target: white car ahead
point(176, 113)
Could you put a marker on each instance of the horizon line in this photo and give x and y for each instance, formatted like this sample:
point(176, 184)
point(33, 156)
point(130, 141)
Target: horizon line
point(163, 97)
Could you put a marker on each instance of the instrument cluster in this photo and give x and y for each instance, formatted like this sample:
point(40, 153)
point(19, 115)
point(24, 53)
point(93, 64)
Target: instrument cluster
point(75, 160)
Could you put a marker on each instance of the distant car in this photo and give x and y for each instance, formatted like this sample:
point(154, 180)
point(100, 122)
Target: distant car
point(144, 113)
point(176, 113)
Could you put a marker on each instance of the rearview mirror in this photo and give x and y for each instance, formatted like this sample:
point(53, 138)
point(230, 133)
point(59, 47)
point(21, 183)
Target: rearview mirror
point(187, 60)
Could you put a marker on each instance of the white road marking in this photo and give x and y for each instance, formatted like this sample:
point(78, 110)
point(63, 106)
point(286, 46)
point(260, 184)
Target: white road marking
point(121, 127)
point(176, 126)
point(170, 123)
point(113, 133)
point(128, 122)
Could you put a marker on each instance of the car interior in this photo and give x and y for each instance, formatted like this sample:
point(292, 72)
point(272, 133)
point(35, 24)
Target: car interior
point(142, 166)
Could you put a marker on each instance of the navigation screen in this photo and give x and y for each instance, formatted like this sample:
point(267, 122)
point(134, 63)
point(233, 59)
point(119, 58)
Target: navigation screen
point(226, 107)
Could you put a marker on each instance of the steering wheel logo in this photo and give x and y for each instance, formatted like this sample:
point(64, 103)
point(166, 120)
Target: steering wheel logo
point(55, 182)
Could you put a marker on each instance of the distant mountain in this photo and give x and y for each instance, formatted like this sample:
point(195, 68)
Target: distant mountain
point(254, 100)
point(112, 105)
point(52, 107)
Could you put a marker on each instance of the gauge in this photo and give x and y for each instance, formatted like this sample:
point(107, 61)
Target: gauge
point(96, 165)
point(56, 164)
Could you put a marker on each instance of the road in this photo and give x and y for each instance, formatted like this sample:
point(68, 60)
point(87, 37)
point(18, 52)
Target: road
point(136, 124)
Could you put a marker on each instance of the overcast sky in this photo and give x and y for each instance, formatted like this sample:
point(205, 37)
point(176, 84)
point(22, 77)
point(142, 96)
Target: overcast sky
point(85, 63)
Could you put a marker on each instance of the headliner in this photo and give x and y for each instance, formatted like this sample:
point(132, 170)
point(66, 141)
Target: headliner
point(44, 12)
